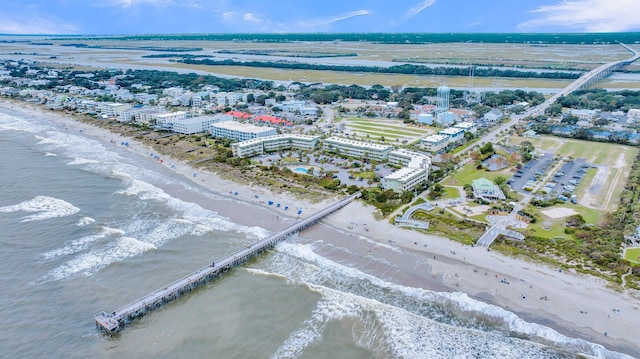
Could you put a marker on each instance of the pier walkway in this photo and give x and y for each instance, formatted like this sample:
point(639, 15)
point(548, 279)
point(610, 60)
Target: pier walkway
point(116, 320)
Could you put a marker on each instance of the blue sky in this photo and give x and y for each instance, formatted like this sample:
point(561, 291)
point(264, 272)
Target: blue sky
point(229, 16)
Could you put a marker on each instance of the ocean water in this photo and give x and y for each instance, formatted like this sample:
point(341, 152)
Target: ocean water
point(87, 226)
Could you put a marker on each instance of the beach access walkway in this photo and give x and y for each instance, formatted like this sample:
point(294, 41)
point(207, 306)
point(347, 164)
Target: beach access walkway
point(112, 322)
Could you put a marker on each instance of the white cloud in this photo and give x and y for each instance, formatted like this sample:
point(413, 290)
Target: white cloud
point(418, 8)
point(228, 16)
point(249, 17)
point(34, 25)
point(348, 15)
point(129, 3)
point(312, 24)
point(587, 15)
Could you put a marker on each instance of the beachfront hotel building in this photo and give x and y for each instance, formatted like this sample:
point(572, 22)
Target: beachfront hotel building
point(414, 173)
point(258, 146)
point(434, 143)
point(189, 126)
point(239, 131)
point(407, 158)
point(113, 109)
point(166, 119)
point(350, 148)
point(406, 179)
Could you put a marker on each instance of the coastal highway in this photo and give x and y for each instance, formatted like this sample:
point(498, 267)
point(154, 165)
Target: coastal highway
point(583, 81)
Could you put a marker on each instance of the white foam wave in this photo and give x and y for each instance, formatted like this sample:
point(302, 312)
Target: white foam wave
point(80, 244)
point(85, 221)
point(82, 161)
point(202, 220)
point(89, 263)
point(49, 154)
point(454, 309)
point(44, 207)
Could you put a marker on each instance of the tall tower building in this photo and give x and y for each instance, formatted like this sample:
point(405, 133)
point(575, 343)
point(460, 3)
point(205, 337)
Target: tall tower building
point(442, 100)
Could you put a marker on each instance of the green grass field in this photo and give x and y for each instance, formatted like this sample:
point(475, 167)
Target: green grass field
point(468, 173)
point(600, 153)
point(451, 192)
point(633, 255)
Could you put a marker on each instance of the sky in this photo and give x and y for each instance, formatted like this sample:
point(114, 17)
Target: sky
point(286, 16)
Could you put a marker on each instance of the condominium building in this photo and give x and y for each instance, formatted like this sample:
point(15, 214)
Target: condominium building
point(350, 148)
point(143, 115)
point(406, 179)
point(467, 126)
point(409, 158)
point(198, 124)
point(112, 109)
point(258, 146)
point(434, 143)
point(415, 171)
point(455, 134)
point(239, 131)
point(167, 119)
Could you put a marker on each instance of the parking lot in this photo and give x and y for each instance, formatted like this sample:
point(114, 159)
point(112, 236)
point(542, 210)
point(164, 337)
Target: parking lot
point(567, 177)
point(531, 173)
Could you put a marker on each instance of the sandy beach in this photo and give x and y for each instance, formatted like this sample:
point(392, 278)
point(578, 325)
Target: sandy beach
point(573, 304)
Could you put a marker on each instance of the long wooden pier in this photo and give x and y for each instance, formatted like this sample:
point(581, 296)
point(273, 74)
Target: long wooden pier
point(116, 320)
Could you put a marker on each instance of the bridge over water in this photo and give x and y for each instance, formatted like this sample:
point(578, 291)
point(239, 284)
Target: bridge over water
point(114, 321)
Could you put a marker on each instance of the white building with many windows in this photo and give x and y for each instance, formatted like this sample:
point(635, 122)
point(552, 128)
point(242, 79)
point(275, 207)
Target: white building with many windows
point(113, 109)
point(414, 173)
point(258, 146)
point(434, 143)
point(467, 126)
point(240, 131)
point(166, 119)
point(350, 148)
point(455, 134)
point(189, 126)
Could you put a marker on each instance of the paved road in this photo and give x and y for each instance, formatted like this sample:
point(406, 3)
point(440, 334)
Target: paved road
point(539, 109)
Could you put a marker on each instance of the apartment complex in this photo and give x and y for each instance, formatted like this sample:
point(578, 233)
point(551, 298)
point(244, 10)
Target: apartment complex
point(258, 146)
point(240, 131)
point(189, 126)
point(414, 173)
point(350, 148)
point(434, 143)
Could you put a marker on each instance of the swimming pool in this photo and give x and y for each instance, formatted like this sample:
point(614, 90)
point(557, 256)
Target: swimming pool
point(300, 170)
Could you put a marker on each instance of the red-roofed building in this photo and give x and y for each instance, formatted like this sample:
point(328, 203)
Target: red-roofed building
point(239, 115)
point(273, 120)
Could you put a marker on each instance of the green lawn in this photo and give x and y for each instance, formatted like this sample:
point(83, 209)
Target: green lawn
point(468, 173)
point(390, 130)
point(451, 193)
point(633, 255)
point(556, 229)
point(595, 152)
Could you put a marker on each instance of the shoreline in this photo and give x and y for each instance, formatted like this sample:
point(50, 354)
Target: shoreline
point(575, 305)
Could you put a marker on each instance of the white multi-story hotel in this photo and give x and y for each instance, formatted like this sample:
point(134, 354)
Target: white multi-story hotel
point(415, 172)
point(455, 134)
point(189, 126)
point(409, 158)
point(141, 114)
point(406, 179)
point(434, 143)
point(240, 131)
point(167, 119)
point(467, 126)
point(112, 109)
point(350, 148)
point(258, 146)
